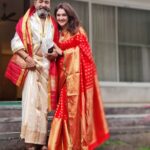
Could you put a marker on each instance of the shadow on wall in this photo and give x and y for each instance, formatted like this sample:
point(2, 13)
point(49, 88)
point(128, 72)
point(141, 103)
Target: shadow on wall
point(7, 90)
point(11, 11)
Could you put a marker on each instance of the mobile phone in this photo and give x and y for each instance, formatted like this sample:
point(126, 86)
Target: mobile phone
point(50, 50)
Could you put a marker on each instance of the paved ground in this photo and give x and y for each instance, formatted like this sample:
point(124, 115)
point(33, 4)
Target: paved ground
point(136, 141)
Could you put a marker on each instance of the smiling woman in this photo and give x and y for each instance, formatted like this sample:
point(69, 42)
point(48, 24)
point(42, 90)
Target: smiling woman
point(79, 121)
point(62, 18)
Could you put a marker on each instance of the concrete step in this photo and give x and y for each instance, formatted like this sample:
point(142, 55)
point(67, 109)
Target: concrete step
point(128, 119)
point(11, 124)
point(129, 130)
point(123, 124)
point(127, 110)
point(120, 119)
point(10, 109)
point(10, 112)
point(11, 141)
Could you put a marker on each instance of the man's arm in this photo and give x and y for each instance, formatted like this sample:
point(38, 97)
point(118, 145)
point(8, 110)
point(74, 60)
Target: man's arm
point(29, 60)
point(18, 47)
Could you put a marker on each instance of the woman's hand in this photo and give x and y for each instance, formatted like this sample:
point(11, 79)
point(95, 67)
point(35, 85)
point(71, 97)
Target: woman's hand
point(58, 50)
point(52, 56)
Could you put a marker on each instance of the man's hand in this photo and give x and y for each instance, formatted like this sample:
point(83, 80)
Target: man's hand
point(30, 62)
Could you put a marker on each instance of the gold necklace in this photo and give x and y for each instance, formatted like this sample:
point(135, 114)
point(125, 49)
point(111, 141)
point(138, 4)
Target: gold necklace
point(64, 35)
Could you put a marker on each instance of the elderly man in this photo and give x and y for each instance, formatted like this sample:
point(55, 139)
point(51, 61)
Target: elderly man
point(36, 32)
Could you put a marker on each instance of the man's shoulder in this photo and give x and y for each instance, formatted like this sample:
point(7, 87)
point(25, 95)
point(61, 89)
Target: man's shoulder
point(19, 23)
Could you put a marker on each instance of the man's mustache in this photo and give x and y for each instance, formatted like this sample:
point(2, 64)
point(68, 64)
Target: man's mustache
point(43, 12)
point(44, 8)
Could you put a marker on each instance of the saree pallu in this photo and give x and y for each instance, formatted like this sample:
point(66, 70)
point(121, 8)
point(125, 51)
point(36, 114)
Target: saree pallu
point(79, 122)
point(35, 103)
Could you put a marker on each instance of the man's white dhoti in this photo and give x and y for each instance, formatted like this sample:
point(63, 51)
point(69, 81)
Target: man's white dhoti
point(35, 104)
point(35, 89)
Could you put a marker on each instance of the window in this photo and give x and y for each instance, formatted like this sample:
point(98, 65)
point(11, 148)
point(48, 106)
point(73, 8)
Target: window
point(104, 41)
point(121, 43)
point(134, 45)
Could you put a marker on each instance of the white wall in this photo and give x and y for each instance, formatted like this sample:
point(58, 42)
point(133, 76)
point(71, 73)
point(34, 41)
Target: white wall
point(140, 4)
point(126, 94)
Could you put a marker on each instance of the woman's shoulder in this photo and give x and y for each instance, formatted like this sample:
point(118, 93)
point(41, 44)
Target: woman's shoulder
point(81, 34)
point(81, 31)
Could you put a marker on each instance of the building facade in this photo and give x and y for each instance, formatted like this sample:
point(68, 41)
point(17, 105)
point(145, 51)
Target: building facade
point(119, 34)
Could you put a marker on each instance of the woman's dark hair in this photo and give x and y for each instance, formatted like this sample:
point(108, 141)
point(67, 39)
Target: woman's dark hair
point(73, 21)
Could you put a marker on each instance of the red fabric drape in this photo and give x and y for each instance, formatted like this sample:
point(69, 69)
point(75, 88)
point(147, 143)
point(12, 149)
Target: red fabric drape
point(79, 122)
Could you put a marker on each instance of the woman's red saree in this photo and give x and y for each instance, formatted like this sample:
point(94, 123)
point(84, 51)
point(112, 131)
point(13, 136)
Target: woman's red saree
point(79, 122)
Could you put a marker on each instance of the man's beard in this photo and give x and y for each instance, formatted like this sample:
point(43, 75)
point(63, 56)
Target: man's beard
point(43, 13)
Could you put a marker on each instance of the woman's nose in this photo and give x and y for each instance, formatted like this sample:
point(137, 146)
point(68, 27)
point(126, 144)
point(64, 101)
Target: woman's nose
point(60, 17)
